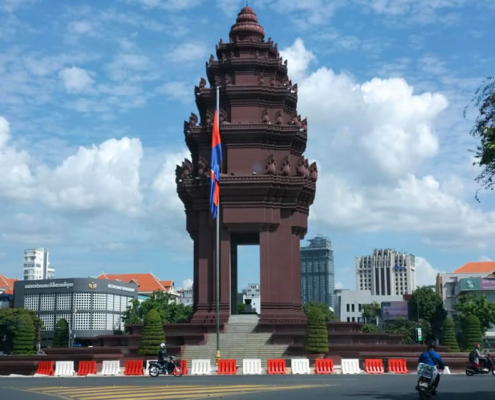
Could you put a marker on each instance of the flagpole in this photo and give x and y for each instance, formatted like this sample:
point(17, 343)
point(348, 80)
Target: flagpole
point(218, 241)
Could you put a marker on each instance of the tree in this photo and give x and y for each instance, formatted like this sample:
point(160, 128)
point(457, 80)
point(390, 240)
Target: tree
point(152, 335)
point(472, 332)
point(8, 325)
point(24, 336)
point(316, 340)
point(407, 329)
point(371, 312)
point(163, 303)
point(327, 312)
point(479, 305)
point(448, 336)
point(370, 328)
point(428, 305)
point(61, 337)
point(484, 130)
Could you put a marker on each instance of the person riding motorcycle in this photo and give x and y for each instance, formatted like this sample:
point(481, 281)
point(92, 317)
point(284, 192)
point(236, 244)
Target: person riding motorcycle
point(432, 358)
point(162, 356)
point(474, 358)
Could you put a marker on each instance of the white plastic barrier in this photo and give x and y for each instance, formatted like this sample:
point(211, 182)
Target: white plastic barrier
point(110, 367)
point(251, 366)
point(64, 368)
point(300, 366)
point(200, 367)
point(446, 371)
point(350, 366)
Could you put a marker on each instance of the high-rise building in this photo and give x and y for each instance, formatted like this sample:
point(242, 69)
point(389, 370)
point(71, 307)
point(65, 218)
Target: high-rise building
point(317, 272)
point(386, 273)
point(37, 265)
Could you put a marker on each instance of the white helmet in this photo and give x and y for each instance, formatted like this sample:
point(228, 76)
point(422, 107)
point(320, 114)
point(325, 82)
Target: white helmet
point(162, 345)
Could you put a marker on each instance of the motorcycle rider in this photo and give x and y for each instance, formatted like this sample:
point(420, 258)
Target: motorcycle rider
point(474, 358)
point(162, 357)
point(432, 358)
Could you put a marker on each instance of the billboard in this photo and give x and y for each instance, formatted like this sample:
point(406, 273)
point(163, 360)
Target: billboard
point(487, 284)
point(393, 309)
point(474, 283)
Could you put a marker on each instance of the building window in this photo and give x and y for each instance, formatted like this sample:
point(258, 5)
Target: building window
point(110, 302)
point(31, 302)
point(48, 321)
point(99, 301)
point(47, 302)
point(109, 322)
point(99, 321)
point(360, 307)
point(82, 301)
point(82, 321)
point(348, 308)
point(63, 301)
point(348, 319)
point(353, 319)
point(117, 321)
point(353, 308)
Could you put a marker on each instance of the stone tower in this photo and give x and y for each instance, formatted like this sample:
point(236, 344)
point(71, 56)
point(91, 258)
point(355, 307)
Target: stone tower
point(266, 185)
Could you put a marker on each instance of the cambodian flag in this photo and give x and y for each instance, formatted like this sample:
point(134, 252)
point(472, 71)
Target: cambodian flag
point(216, 160)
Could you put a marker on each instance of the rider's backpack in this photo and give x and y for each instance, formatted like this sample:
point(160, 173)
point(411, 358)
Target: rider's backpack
point(472, 356)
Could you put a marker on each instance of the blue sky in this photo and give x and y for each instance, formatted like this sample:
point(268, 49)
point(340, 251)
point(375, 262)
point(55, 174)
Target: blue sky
point(93, 96)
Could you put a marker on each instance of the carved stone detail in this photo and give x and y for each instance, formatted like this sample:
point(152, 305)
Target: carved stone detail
point(202, 83)
point(261, 78)
point(265, 117)
point(184, 171)
point(209, 118)
point(278, 118)
point(203, 168)
point(228, 79)
point(302, 167)
point(271, 166)
point(313, 172)
point(285, 169)
point(193, 120)
point(223, 117)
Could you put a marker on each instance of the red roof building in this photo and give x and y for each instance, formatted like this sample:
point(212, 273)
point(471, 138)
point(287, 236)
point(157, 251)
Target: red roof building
point(6, 285)
point(479, 267)
point(147, 283)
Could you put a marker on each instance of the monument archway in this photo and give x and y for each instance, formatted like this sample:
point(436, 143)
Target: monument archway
point(266, 184)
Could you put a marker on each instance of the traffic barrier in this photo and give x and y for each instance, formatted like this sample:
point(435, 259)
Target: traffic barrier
point(64, 368)
point(200, 367)
point(86, 368)
point(110, 367)
point(133, 367)
point(276, 367)
point(45, 368)
point(446, 371)
point(227, 367)
point(183, 364)
point(373, 366)
point(251, 366)
point(324, 366)
point(350, 366)
point(397, 366)
point(300, 366)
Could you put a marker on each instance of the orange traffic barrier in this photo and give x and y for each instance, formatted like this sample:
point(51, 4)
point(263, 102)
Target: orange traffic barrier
point(397, 366)
point(227, 367)
point(183, 364)
point(373, 366)
point(45, 368)
point(276, 367)
point(133, 367)
point(324, 366)
point(86, 368)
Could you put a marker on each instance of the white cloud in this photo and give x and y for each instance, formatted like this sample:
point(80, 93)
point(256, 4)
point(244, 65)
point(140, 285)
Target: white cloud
point(81, 28)
point(185, 52)
point(187, 284)
point(127, 64)
point(169, 5)
point(177, 91)
point(484, 258)
point(75, 79)
point(299, 59)
point(426, 275)
point(339, 285)
point(13, 5)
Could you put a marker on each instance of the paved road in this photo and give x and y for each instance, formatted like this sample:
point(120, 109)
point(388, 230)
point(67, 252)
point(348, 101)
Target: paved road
point(384, 387)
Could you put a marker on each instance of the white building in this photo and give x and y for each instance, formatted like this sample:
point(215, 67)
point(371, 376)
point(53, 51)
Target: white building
point(386, 273)
point(252, 292)
point(186, 296)
point(37, 265)
point(349, 303)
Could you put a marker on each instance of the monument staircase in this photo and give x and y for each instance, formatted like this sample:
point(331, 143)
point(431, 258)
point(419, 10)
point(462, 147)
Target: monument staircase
point(240, 340)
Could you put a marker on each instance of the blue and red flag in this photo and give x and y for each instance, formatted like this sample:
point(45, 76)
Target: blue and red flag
point(216, 161)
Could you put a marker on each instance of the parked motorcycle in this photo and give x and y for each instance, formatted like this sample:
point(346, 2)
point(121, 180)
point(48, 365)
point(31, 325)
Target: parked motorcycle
point(488, 367)
point(173, 367)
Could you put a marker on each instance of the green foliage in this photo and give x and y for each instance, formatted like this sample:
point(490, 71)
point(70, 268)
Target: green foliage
point(484, 130)
point(163, 303)
point(241, 308)
point(327, 313)
point(316, 340)
point(370, 328)
point(371, 312)
point(24, 335)
point(448, 336)
point(472, 332)
point(9, 318)
point(407, 329)
point(152, 335)
point(478, 305)
point(61, 337)
point(430, 309)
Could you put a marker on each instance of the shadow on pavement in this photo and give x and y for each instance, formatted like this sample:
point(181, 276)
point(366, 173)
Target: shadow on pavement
point(441, 395)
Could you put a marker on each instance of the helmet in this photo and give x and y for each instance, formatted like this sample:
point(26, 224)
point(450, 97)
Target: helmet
point(162, 345)
point(431, 344)
point(478, 345)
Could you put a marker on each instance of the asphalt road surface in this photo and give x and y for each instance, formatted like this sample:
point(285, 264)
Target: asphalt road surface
point(306, 387)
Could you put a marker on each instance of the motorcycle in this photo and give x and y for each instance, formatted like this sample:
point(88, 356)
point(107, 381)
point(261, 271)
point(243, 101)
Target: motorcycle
point(173, 367)
point(425, 382)
point(487, 368)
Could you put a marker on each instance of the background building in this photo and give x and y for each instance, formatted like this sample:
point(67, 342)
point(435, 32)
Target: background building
point(91, 307)
point(253, 293)
point(186, 296)
point(317, 272)
point(37, 265)
point(386, 273)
